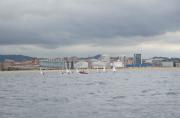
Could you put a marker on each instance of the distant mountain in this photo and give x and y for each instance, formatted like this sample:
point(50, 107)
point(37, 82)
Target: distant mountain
point(92, 57)
point(166, 58)
point(96, 56)
point(14, 57)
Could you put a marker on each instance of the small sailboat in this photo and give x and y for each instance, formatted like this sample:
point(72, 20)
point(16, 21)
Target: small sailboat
point(68, 71)
point(77, 71)
point(114, 69)
point(83, 72)
point(104, 69)
point(41, 72)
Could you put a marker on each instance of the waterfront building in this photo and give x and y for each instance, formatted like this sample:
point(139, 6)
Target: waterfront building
point(177, 64)
point(70, 61)
point(20, 65)
point(81, 65)
point(157, 61)
point(160, 62)
point(35, 61)
point(122, 59)
point(167, 64)
point(7, 64)
point(60, 63)
point(99, 64)
point(137, 59)
point(129, 61)
point(52, 63)
point(118, 64)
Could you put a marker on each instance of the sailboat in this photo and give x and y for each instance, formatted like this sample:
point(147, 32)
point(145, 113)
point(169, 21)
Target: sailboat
point(104, 69)
point(114, 69)
point(83, 72)
point(68, 71)
point(41, 72)
point(77, 71)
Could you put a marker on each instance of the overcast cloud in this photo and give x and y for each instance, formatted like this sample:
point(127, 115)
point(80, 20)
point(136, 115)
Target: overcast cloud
point(63, 27)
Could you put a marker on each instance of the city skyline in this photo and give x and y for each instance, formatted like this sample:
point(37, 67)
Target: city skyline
point(84, 28)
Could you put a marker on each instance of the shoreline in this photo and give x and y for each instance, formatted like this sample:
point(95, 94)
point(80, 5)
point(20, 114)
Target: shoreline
point(108, 70)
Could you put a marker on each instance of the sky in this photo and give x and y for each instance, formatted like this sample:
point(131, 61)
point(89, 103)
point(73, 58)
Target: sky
point(53, 28)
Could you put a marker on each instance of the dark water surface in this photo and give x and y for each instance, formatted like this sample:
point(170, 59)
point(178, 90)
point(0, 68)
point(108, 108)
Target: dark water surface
point(126, 94)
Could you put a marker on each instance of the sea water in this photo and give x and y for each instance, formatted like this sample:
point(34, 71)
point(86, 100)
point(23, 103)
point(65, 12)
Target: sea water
point(145, 93)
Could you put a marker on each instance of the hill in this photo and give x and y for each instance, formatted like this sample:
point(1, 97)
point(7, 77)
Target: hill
point(14, 57)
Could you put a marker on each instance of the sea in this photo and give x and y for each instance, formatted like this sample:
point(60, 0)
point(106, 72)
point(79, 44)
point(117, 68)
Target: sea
point(127, 93)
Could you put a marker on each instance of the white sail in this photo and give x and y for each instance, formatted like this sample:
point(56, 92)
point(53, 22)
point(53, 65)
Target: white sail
point(41, 72)
point(114, 69)
point(77, 71)
point(67, 71)
point(104, 69)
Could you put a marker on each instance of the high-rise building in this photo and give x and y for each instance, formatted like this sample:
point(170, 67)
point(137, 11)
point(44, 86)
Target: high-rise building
point(137, 59)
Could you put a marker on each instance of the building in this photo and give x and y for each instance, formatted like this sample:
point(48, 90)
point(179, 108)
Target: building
point(35, 61)
point(98, 64)
point(167, 64)
point(7, 64)
point(20, 65)
point(177, 64)
point(52, 63)
point(129, 61)
point(157, 61)
point(137, 59)
point(81, 65)
point(60, 63)
point(69, 62)
point(118, 64)
point(122, 59)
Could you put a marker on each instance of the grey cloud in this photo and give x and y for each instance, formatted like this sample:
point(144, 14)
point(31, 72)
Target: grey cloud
point(57, 23)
